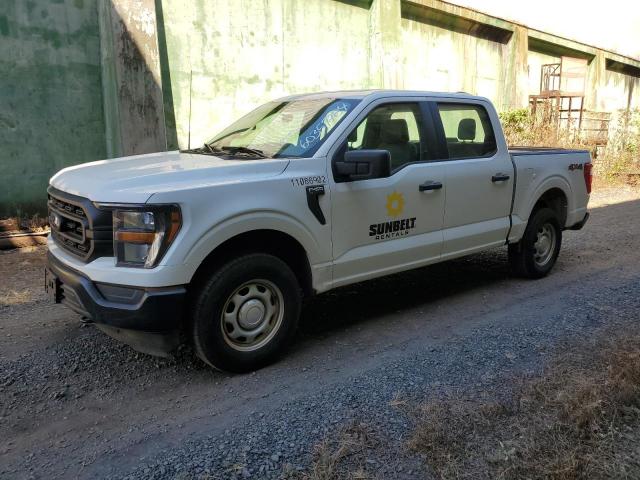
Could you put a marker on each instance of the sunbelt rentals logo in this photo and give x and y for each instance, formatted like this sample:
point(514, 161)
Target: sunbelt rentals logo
point(395, 204)
point(398, 227)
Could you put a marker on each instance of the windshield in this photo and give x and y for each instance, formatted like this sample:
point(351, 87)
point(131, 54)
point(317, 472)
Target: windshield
point(293, 128)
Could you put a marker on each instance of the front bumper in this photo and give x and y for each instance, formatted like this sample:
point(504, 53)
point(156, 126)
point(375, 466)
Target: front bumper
point(148, 319)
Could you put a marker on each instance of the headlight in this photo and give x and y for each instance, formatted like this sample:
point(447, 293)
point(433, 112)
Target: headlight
point(142, 235)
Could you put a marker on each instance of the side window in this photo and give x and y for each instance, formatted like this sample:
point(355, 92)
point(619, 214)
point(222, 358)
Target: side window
point(468, 130)
point(394, 127)
point(354, 141)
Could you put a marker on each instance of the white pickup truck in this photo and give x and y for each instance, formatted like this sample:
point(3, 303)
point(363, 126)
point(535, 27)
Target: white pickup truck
point(218, 245)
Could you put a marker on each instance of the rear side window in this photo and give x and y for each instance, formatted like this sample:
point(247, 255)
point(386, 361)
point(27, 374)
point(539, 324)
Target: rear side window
point(468, 130)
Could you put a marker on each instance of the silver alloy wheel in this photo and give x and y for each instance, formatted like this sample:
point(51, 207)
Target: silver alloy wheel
point(545, 245)
point(252, 315)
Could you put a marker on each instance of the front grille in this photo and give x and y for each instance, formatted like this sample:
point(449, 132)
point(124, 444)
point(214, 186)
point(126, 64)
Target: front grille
point(69, 225)
point(78, 226)
point(67, 207)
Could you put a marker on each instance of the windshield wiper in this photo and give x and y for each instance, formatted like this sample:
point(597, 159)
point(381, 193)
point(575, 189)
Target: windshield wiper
point(209, 148)
point(205, 149)
point(246, 150)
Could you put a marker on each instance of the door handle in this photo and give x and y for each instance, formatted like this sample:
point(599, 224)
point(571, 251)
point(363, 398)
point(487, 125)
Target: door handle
point(430, 185)
point(500, 177)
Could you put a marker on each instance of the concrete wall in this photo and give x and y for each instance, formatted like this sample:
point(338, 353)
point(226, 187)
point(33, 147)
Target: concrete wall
point(535, 61)
point(439, 59)
point(131, 83)
point(50, 95)
point(226, 57)
point(619, 91)
point(82, 80)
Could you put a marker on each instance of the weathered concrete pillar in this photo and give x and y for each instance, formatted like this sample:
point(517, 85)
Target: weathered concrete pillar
point(385, 51)
point(131, 84)
point(596, 81)
point(516, 82)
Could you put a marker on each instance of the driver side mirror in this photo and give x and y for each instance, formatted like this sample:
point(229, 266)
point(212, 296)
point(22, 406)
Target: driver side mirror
point(364, 165)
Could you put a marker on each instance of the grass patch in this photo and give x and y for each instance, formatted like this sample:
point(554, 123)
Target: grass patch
point(342, 457)
point(20, 223)
point(580, 419)
point(14, 297)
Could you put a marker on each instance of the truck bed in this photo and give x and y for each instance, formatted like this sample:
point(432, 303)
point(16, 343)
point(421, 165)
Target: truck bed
point(540, 169)
point(543, 151)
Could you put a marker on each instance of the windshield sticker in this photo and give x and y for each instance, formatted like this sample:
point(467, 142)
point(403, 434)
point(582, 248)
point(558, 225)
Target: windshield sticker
point(325, 124)
point(393, 228)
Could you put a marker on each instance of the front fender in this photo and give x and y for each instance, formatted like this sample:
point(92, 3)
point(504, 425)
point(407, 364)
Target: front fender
point(251, 221)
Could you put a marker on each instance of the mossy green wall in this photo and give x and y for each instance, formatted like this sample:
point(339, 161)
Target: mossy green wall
point(50, 96)
point(232, 55)
point(82, 80)
point(615, 91)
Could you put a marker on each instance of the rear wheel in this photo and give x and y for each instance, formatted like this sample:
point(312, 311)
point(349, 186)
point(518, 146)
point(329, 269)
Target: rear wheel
point(535, 254)
point(246, 313)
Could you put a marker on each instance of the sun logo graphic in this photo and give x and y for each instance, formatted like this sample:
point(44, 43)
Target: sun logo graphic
point(395, 204)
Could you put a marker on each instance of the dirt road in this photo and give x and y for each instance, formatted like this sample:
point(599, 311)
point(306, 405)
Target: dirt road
point(74, 403)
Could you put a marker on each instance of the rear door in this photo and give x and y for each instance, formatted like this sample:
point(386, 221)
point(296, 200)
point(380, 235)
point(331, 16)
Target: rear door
point(384, 225)
point(479, 177)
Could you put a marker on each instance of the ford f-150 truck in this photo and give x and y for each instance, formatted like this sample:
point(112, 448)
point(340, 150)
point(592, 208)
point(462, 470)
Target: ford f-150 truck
point(218, 245)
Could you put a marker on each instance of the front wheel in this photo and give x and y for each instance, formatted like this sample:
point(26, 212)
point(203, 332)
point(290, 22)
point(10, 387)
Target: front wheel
point(245, 313)
point(535, 254)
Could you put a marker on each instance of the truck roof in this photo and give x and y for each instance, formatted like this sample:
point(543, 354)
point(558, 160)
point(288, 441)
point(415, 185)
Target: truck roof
point(378, 93)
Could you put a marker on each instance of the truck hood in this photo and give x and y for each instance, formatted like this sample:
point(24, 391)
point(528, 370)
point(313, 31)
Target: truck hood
point(135, 179)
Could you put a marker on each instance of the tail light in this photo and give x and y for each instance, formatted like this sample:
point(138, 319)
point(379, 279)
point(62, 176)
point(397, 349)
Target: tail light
point(588, 176)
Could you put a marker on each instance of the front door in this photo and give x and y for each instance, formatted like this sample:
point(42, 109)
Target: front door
point(385, 225)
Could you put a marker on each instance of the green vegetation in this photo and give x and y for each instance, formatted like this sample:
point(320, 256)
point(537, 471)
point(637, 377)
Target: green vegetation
point(616, 157)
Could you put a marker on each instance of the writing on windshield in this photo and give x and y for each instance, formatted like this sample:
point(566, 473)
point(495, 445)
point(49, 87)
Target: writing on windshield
point(293, 128)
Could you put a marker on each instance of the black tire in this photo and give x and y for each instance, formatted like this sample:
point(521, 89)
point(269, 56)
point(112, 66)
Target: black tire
point(226, 289)
point(524, 259)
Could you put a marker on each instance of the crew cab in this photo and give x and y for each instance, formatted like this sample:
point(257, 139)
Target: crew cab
point(217, 245)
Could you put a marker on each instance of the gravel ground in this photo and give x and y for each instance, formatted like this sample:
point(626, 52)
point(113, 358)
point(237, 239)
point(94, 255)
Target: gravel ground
point(264, 443)
point(75, 403)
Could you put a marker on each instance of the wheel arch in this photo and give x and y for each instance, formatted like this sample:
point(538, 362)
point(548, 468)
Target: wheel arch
point(556, 199)
point(274, 242)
